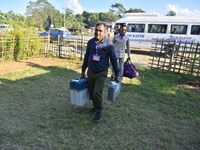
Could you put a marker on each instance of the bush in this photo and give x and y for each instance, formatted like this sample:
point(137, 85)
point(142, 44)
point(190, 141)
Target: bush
point(17, 48)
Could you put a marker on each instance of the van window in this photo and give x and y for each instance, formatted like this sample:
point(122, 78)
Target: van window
point(178, 29)
point(157, 28)
point(135, 27)
point(195, 30)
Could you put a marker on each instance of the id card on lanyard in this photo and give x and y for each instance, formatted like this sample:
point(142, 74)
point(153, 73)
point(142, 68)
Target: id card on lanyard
point(96, 56)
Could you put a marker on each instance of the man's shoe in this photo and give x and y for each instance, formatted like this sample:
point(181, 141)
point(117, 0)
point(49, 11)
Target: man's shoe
point(97, 117)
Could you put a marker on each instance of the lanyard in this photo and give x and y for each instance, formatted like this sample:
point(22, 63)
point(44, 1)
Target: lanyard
point(97, 50)
point(97, 46)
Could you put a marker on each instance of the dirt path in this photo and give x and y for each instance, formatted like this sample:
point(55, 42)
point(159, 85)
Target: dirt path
point(10, 66)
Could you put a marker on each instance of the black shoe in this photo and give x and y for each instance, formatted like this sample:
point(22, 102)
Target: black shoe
point(97, 117)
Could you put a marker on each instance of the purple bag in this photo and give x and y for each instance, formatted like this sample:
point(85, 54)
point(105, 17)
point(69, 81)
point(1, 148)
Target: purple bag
point(130, 70)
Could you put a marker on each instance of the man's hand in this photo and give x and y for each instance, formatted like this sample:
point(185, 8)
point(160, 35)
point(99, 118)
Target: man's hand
point(82, 76)
point(117, 79)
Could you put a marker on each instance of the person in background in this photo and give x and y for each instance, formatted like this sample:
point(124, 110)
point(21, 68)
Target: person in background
point(98, 53)
point(121, 44)
point(110, 34)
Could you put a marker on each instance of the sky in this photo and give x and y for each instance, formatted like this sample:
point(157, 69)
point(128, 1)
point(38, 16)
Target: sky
point(162, 7)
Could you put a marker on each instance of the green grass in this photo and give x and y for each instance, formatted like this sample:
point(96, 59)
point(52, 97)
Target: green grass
point(151, 112)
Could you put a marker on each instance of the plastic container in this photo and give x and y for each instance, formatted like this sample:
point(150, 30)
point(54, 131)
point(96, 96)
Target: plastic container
point(79, 92)
point(113, 90)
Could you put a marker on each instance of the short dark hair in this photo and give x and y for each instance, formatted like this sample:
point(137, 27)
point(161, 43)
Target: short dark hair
point(100, 23)
point(123, 25)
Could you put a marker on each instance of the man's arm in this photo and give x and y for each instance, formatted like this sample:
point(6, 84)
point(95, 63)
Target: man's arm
point(113, 60)
point(85, 61)
point(128, 48)
point(113, 40)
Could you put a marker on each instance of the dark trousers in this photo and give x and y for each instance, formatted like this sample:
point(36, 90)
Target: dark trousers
point(95, 87)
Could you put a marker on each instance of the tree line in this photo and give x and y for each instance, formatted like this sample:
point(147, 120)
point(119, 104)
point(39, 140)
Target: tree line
point(42, 15)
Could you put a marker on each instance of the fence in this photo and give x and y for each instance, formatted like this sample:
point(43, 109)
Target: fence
point(29, 47)
point(59, 48)
point(6, 48)
point(178, 57)
point(75, 47)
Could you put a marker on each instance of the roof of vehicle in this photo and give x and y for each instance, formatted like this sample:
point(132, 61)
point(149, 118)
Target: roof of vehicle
point(158, 19)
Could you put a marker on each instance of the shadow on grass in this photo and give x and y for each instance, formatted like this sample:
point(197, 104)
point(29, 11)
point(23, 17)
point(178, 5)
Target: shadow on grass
point(149, 113)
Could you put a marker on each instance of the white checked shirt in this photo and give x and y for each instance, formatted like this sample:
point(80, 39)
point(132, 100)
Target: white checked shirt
point(119, 43)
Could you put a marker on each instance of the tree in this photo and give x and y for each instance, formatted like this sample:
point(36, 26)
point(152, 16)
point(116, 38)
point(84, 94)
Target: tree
point(69, 18)
point(16, 21)
point(72, 21)
point(118, 9)
point(171, 13)
point(86, 16)
point(93, 19)
point(48, 24)
point(108, 16)
point(2, 17)
point(90, 19)
point(40, 10)
point(80, 18)
point(135, 10)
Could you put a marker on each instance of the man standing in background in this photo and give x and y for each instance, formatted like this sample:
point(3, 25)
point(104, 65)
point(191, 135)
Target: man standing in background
point(121, 44)
point(110, 34)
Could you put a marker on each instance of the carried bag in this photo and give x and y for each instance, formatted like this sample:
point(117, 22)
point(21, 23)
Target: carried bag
point(130, 70)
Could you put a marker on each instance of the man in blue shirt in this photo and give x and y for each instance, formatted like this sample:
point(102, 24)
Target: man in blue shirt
point(99, 51)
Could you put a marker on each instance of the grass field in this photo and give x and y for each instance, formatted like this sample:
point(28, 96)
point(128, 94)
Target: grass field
point(151, 112)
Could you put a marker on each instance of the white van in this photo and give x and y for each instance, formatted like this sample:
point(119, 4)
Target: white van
point(143, 28)
point(4, 28)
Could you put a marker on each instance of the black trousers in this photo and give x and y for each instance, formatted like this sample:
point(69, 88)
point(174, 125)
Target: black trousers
point(95, 87)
